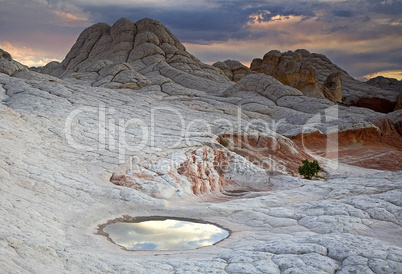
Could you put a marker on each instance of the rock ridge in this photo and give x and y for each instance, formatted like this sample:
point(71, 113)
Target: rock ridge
point(132, 55)
point(296, 69)
point(233, 69)
point(386, 83)
point(8, 65)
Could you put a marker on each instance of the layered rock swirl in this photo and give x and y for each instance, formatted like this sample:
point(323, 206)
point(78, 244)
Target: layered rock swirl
point(132, 55)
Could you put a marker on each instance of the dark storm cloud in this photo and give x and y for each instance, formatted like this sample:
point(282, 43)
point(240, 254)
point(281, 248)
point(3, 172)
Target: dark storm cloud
point(188, 25)
point(203, 24)
point(344, 13)
point(385, 7)
point(366, 63)
point(226, 20)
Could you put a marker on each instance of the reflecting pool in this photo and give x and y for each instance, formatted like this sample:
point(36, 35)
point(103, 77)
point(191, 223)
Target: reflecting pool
point(167, 234)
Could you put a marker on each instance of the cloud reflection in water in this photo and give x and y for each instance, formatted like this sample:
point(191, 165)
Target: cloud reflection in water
point(167, 234)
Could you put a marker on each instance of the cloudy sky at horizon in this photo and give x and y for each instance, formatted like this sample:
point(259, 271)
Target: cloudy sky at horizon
point(364, 37)
point(166, 234)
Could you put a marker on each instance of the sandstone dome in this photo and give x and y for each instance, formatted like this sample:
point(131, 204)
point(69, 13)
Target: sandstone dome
point(132, 55)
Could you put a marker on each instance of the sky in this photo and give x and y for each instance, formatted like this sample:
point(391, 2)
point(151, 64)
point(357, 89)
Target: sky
point(164, 234)
point(363, 37)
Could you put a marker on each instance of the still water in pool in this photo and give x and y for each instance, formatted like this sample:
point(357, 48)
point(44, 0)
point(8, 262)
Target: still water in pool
point(167, 234)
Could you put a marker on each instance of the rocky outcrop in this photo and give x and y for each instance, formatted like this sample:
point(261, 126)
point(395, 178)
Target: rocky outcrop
point(382, 146)
point(352, 89)
point(398, 103)
point(132, 55)
point(295, 69)
point(47, 69)
point(233, 69)
point(386, 83)
point(205, 169)
point(264, 85)
point(8, 65)
point(105, 73)
point(316, 76)
point(377, 104)
point(277, 154)
point(334, 84)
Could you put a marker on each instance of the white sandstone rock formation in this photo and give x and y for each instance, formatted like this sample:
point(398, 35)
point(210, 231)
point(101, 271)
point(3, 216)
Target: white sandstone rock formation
point(334, 84)
point(131, 124)
point(233, 69)
point(47, 69)
point(132, 55)
point(386, 83)
point(312, 73)
point(294, 69)
point(8, 65)
point(352, 89)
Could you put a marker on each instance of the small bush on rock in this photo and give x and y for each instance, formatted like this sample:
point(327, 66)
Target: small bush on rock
point(309, 169)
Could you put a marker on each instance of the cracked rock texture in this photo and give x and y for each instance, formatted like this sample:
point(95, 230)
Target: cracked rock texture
point(316, 76)
point(132, 124)
point(386, 83)
point(233, 69)
point(295, 69)
point(8, 65)
point(127, 55)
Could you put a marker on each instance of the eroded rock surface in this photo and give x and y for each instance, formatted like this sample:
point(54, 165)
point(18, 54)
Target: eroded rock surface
point(386, 83)
point(295, 69)
point(75, 154)
point(334, 84)
point(398, 103)
point(47, 69)
point(352, 89)
point(316, 76)
point(233, 69)
point(377, 104)
point(8, 65)
point(132, 55)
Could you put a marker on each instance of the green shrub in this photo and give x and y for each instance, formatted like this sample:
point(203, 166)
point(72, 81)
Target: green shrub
point(309, 169)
